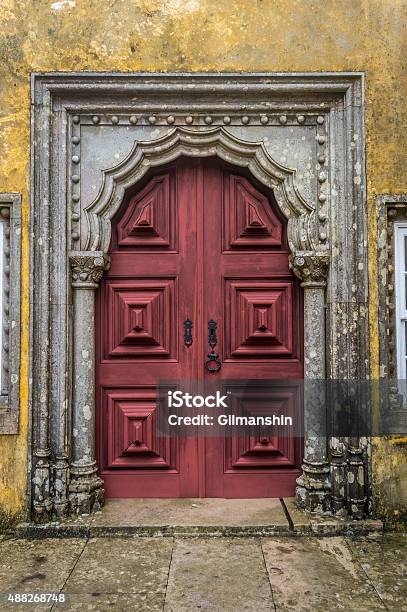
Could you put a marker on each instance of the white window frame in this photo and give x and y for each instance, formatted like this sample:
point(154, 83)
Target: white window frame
point(400, 275)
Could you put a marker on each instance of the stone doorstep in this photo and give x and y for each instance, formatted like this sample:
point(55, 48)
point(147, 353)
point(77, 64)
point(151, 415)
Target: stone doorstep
point(199, 518)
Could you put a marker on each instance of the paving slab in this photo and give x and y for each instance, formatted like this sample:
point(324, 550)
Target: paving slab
point(225, 574)
point(12, 607)
point(191, 513)
point(384, 559)
point(39, 566)
point(278, 573)
point(122, 565)
point(317, 574)
point(299, 521)
point(101, 603)
point(303, 523)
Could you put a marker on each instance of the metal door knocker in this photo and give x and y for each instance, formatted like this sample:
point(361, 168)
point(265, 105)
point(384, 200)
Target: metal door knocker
point(188, 332)
point(212, 364)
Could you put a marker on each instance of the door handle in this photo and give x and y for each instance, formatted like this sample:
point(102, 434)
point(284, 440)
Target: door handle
point(212, 364)
point(188, 332)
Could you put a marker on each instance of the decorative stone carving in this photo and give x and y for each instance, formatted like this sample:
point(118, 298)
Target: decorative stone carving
point(86, 488)
point(10, 219)
point(311, 267)
point(313, 486)
point(203, 143)
point(42, 484)
point(253, 117)
point(87, 268)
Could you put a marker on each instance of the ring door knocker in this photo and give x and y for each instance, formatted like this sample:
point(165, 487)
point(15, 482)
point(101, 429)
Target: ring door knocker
point(212, 364)
point(188, 332)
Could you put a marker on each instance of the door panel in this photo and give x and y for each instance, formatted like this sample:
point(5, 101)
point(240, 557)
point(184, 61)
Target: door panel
point(142, 317)
point(142, 303)
point(133, 442)
point(201, 241)
point(248, 219)
point(258, 322)
point(150, 219)
point(256, 301)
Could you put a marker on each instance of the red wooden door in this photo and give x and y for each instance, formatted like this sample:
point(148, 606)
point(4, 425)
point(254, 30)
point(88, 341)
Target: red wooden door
point(197, 240)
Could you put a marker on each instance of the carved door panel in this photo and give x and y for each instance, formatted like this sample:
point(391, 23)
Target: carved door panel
point(197, 240)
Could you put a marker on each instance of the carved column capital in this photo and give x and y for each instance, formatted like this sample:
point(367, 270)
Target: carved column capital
point(311, 267)
point(87, 268)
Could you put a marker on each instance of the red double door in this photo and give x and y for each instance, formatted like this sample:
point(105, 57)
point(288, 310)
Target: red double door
point(197, 240)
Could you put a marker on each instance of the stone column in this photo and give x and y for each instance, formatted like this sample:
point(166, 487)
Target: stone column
point(338, 454)
point(357, 498)
point(86, 492)
point(313, 486)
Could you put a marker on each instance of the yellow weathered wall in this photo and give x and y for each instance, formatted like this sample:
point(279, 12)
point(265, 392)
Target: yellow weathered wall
point(204, 35)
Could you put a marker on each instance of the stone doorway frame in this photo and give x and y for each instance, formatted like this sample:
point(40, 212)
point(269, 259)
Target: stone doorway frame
point(69, 245)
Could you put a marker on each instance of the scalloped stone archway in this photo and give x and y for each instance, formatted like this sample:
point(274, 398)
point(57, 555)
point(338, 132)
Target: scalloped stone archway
point(203, 143)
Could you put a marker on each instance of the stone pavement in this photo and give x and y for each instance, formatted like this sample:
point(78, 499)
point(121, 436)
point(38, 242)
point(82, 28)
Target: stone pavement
point(178, 574)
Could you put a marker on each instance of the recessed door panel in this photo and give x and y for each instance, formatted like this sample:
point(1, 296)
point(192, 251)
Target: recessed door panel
point(258, 318)
point(133, 442)
point(140, 318)
point(249, 221)
point(150, 220)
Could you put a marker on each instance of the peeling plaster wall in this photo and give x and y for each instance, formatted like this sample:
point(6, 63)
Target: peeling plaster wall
point(204, 35)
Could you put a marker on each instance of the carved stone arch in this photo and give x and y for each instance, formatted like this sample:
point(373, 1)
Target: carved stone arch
point(203, 143)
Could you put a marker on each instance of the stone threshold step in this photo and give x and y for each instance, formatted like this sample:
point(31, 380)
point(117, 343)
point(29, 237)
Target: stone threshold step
point(53, 530)
point(198, 518)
